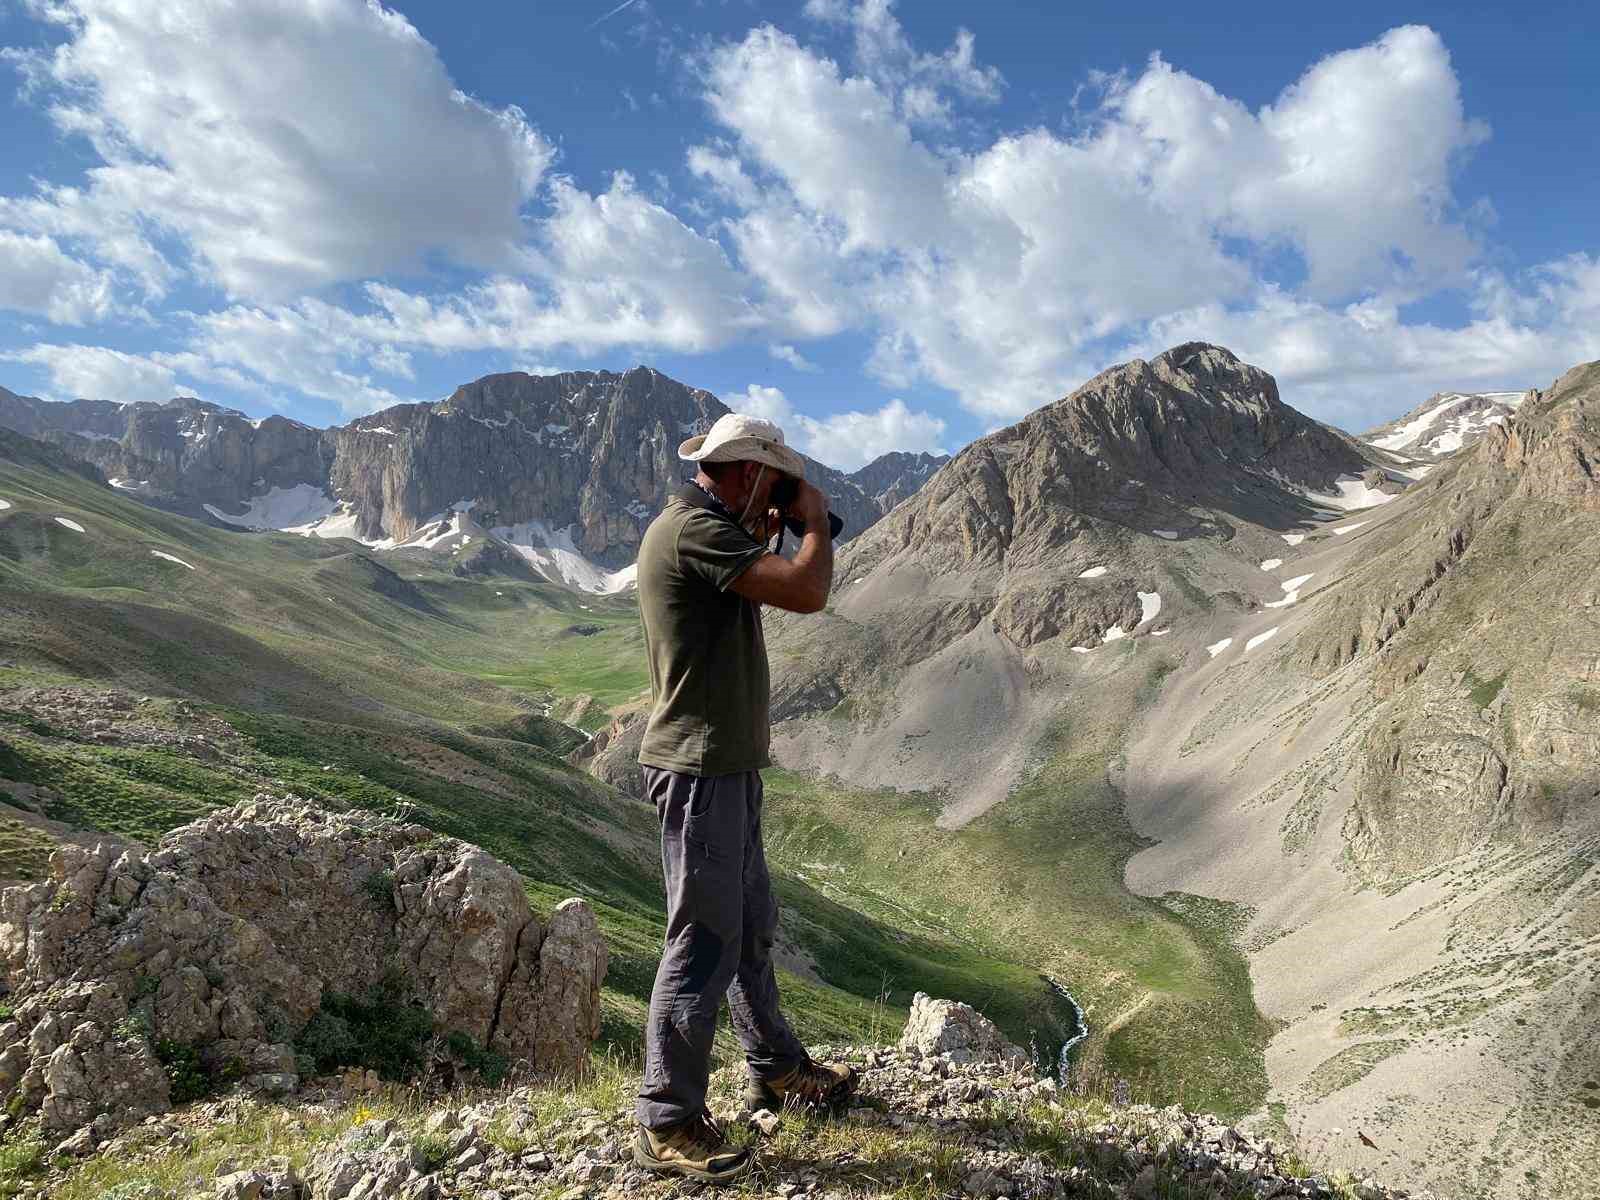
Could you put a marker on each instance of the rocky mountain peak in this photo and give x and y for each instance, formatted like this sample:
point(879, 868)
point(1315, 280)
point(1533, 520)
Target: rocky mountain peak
point(564, 470)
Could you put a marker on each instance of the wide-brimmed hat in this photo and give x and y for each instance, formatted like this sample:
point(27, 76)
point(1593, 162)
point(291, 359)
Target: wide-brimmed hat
point(738, 437)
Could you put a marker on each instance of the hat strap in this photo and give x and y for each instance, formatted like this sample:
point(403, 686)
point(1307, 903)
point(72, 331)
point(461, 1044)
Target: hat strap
point(754, 488)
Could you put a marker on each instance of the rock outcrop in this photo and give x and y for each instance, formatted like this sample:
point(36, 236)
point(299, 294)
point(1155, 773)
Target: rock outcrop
point(959, 1033)
point(1476, 616)
point(220, 946)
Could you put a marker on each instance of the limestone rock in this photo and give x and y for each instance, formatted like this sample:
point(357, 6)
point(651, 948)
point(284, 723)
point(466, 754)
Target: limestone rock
point(225, 938)
point(959, 1032)
point(593, 453)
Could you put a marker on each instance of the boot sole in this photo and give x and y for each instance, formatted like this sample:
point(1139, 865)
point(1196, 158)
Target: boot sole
point(656, 1166)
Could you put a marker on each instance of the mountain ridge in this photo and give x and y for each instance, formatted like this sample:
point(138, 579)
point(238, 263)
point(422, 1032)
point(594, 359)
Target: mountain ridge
point(567, 468)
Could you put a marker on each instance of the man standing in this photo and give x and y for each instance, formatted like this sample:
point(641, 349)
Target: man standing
point(704, 571)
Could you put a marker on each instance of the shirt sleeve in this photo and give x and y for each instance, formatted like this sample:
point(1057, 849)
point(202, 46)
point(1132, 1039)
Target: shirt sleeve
point(716, 550)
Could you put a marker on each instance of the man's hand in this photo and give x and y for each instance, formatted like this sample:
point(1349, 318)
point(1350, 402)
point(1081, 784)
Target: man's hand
point(811, 506)
point(801, 585)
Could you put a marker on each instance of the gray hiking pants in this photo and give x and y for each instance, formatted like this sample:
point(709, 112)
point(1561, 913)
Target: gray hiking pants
point(721, 921)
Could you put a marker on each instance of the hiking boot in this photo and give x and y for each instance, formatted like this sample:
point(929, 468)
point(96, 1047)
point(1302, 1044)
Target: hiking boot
point(811, 1085)
point(696, 1148)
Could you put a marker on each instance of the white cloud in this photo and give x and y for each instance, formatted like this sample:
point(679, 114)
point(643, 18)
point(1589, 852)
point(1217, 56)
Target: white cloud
point(1360, 365)
point(793, 357)
point(288, 143)
point(1351, 165)
point(36, 277)
point(1002, 273)
point(844, 440)
point(98, 373)
point(884, 53)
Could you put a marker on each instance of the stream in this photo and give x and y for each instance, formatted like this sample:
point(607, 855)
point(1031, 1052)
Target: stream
point(1080, 1025)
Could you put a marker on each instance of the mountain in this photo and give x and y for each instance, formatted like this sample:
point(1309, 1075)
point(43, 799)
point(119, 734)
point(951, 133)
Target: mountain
point(1060, 527)
point(891, 477)
point(1157, 672)
point(562, 471)
point(1443, 424)
point(155, 668)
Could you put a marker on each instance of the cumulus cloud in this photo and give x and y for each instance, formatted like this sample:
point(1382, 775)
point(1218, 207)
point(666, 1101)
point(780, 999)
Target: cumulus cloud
point(1003, 273)
point(37, 277)
point(288, 144)
point(844, 440)
point(883, 52)
point(98, 373)
point(1360, 364)
point(275, 148)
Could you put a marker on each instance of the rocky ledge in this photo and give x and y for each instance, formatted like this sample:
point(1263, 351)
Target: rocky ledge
point(245, 948)
point(920, 1125)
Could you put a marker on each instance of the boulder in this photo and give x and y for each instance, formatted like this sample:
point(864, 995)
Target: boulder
point(215, 950)
point(958, 1032)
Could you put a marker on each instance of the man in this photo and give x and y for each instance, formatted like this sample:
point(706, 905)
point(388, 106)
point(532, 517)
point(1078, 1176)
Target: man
point(704, 572)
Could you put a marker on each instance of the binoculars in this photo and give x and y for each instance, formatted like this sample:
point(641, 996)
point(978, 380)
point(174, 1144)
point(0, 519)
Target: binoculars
point(784, 493)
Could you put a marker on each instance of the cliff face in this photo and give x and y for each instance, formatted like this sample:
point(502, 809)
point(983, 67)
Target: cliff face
point(185, 452)
point(591, 453)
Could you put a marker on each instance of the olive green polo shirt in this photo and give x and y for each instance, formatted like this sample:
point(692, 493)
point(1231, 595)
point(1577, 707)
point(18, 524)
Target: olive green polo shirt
point(708, 660)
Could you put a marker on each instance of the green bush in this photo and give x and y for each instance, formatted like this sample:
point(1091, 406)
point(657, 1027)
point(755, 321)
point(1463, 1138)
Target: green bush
point(382, 1031)
point(490, 1065)
point(186, 1077)
point(379, 886)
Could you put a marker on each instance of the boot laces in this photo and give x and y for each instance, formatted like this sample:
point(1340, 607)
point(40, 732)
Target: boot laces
point(703, 1135)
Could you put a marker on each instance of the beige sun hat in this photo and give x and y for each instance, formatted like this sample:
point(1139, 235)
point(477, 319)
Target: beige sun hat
point(739, 437)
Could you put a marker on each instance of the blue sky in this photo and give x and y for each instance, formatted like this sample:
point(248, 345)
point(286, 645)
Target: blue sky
point(887, 226)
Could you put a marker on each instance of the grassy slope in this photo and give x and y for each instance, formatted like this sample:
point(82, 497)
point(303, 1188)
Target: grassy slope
point(357, 685)
point(1039, 880)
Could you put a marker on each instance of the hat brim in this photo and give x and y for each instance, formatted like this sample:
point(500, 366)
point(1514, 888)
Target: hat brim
point(745, 449)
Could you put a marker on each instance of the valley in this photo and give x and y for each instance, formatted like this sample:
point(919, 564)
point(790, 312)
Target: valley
point(1274, 747)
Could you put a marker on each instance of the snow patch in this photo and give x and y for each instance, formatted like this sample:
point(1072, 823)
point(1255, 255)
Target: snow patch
point(1353, 494)
point(130, 485)
point(1170, 534)
point(4, 504)
point(1217, 648)
point(1083, 649)
point(1271, 564)
point(1259, 638)
point(1350, 528)
point(1294, 539)
point(1150, 602)
point(552, 553)
point(1093, 573)
point(70, 524)
point(1411, 430)
point(1114, 634)
point(1291, 590)
point(288, 509)
point(172, 558)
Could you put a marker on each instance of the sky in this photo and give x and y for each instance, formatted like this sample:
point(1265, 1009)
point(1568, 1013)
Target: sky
point(886, 226)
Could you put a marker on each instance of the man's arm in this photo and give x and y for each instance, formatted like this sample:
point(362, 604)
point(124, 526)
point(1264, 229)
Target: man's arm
point(801, 585)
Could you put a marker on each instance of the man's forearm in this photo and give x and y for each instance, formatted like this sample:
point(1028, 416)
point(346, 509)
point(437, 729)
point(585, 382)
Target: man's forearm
point(815, 558)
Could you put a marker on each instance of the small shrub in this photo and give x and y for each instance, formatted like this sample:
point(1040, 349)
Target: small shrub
point(186, 1077)
point(21, 1155)
point(491, 1065)
point(433, 1149)
point(383, 1032)
point(379, 886)
point(132, 1028)
point(7, 1012)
